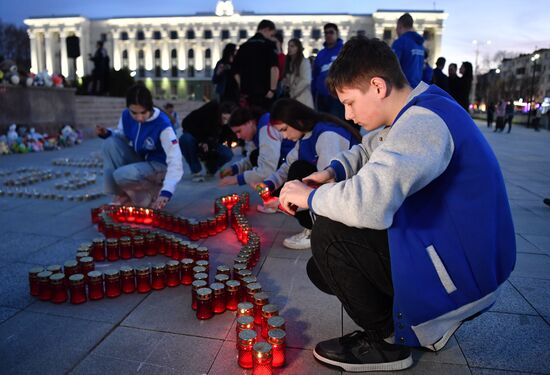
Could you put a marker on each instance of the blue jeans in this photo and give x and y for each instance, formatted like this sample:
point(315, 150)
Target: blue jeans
point(126, 173)
point(190, 149)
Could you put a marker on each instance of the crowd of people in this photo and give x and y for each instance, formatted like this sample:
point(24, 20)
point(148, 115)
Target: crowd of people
point(388, 216)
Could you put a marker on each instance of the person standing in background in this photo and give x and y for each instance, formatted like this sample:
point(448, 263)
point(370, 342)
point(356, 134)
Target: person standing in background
point(298, 73)
point(427, 72)
point(409, 50)
point(453, 81)
point(439, 78)
point(509, 114)
point(465, 85)
point(226, 86)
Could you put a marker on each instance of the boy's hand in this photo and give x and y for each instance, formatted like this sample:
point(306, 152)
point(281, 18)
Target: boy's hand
point(229, 180)
point(319, 178)
point(294, 193)
point(160, 203)
point(101, 131)
point(226, 172)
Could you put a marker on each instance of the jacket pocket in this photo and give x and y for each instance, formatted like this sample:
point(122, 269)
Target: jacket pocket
point(441, 270)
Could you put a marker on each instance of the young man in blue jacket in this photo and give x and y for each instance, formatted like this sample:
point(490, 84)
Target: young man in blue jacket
point(409, 50)
point(414, 233)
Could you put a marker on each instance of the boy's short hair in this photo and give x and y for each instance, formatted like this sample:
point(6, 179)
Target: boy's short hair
point(406, 21)
point(266, 24)
point(360, 60)
point(330, 25)
point(168, 106)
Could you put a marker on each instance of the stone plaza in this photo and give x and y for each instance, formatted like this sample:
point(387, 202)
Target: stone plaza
point(158, 333)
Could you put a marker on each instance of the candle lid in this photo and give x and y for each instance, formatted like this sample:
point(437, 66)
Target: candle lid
point(200, 276)
point(223, 268)
point(125, 239)
point(111, 274)
point(197, 284)
point(172, 264)
point(142, 270)
point(192, 246)
point(137, 238)
point(125, 270)
point(249, 280)
point(202, 263)
point(35, 270)
point(238, 267)
point(244, 273)
point(95, 275)
point(76, 278)
point(247, 336)
point(261, 298)
point(57, 278)
point(70, 264)
point(185, 243)
point(245, 320)
point(270, 309)
point(276, 322)
point(112, 241)
point(202, 249)
point(221, 278)
point(204, 293)
point(97, 240)
point(262, 349)
point(159, 267)
point(232, 285)
point(199, 269)
point(81, 254)
point(85, 245)
point(276, 335)
point(54, 268)
point(254, 288)
point(245, 306)
point(86, 260)
point(151, 236)
point(187, 262)
point(217, 288)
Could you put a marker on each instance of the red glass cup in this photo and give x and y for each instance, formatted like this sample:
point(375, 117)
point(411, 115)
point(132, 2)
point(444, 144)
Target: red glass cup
point(128, 279)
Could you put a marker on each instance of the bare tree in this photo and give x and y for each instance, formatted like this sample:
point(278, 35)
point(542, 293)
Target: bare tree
point(15, 45)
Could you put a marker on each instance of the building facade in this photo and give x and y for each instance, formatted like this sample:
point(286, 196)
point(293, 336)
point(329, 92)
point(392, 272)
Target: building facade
point(167, 50)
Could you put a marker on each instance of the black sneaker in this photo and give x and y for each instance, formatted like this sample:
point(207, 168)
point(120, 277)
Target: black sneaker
point(354, 353)
point(546, 201)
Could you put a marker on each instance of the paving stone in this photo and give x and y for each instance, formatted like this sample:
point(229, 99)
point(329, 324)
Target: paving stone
point(299, 361)
point(536, 291)
point(511, 301)
point(14, 288)
point(99, 365)
point(6, 313)
point(170, 310)
point(525, 246)
point(506, 342)
point(542, 243)
point(57, 344)
point(17, 246)
point(484, 371)
point(57, 253)
point(428, 368)
point(532, 265)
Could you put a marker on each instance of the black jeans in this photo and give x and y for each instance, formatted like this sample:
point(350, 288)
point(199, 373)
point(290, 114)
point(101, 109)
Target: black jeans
point(354, 265)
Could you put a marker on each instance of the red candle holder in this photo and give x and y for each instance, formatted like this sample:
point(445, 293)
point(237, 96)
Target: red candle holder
point(159, 277)
point(203, 232)
point(201, 276)
point(148, 217)
point(173, 273)
point(112, 283)
point(112, 250)
point(245, 309)
point(143, 279)
point(194, 230)
point(276, 322)
point(212, 227)
point(260, 300)
point(57, 284)
point(204, 264)
point(95, 285)
point(77, 289)
point(98, 249)
point(221, 278)
point(195, 286)
point(223, 269)
point(199, 269)
point(169, 245)
point(151, 244)
point(33, 280)
point(128, 279)
point(201, 253)
point(277, 339)
point(125, 247)
point(262, 355)
point(218, 298)
point(130, 214)
point(139, 246)
point(204, 304)
point(95, 214)
point(187, 265)
point(161, 241)
point(236, 269)
point(232, 288)
point(246, 341)
point(54, 268)
point(86, 265)
point(221, 223)
point(268, 311)
point(251, 290)
point(244, 323)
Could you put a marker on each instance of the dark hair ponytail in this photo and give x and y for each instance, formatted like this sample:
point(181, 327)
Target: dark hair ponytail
point(240, 116)
point(304, 118)
point(138, 94)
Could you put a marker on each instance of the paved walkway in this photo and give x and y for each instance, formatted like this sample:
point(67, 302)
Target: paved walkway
point(156, 333)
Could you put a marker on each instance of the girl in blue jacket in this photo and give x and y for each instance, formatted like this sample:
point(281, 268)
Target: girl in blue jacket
point(142, 161)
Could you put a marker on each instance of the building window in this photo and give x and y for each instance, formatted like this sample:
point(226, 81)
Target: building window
point(208, 54)
point(225, 34)
point(157, 54)
point(207, 34)
point(316, 34)
point(191, 63)
point(140, 35)
point(427, 34)
point(124, 35)
point(158, 72)
point(297, 33)
point(174, 54)
point(243, 34)
point(520, 71)
point(173, 35)
point(156, 35)
point(191, 54)
point(125, 58)
point(190, 34)
point(387, 34)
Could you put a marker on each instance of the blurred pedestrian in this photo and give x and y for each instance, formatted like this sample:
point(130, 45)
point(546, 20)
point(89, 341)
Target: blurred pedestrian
point(298, 73)
point(439, 77)
point(409, 50)
point(223, 77)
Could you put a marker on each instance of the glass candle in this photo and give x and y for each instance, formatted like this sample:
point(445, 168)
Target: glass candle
point(204, 303)
point(276, 322)
point(201, 253)
point(204, 264)
point(173, 273)
point(44, 288)
point(232, 288)
point(77, 289)
point(151, 244)
point(143, 279)
point(169, 245)
point(33, 280)
point(112, 249)
point(70, 268)
point(201, 276)
point(251, 290)
point(221, 278)
point(184, 248)
point(203, 228)
point(86, 265)
point(159, 277)
point(194, 229)
point(199, 269)
point(112, 283)
point(221, 222)
point(268, 311)
point(196, 285)
point(95, 285)
point(262, 355)
point(125, 247)
point(55, 268)
point(81, 254)
point(260, 300)
point(160, 243)
point(187, 265)
point(277, 339)
point(139, 246)
point(192, 251)
point(218, 297)
point(243, 323)
point(128, 279)
point(57, 284)
point(223, 269)
point(98, 249)
point(212, 228)
point(246, 341)
point(245, 309)
point(242, 274)
point(236, 269)
point(95, 214)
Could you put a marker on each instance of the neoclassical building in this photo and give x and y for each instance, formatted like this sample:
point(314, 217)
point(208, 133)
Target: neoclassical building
point(169, 49)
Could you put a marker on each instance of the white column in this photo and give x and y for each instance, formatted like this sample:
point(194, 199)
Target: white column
point(117, 57)
point(182, 55)
point(34, 54)
point(164, 51)
point(64, 58)
point(49, 53)
point(40, 51)
point(83, 55)
point(132, 50)
point(148, 50)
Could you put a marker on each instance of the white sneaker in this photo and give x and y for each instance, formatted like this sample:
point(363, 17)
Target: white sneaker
point(265, 210)
point(299, 241)
point(197, 177)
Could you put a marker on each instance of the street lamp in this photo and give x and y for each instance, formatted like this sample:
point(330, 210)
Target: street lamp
point(534, 59)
